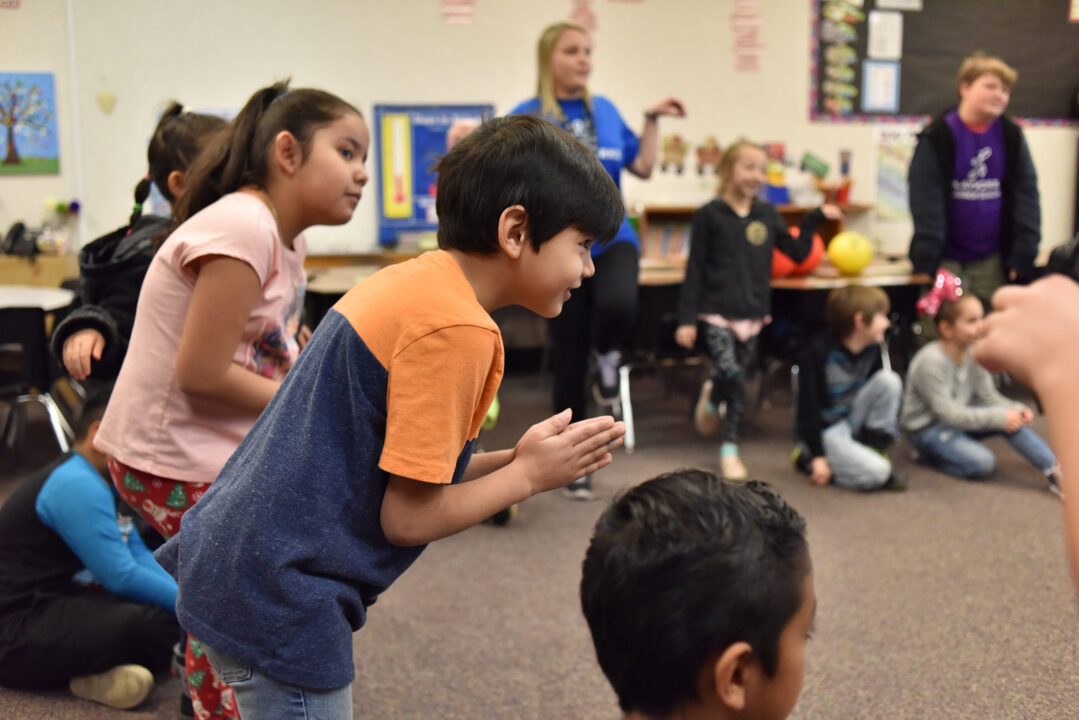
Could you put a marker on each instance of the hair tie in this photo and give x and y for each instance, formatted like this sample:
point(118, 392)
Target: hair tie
point(946, 288)
point(138, 207)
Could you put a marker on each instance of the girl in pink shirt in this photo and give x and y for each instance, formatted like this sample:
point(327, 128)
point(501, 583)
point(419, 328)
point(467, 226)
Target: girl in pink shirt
point(217, 324)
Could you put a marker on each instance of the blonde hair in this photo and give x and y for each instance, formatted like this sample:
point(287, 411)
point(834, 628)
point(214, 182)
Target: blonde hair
point(980, 64)
point(729, 158)
point(544, 79)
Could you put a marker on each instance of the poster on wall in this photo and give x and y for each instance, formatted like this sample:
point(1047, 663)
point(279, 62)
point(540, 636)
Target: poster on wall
point(409, 140)
point(28, 120)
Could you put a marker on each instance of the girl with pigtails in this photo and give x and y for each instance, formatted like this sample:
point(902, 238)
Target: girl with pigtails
point(217, 325)
point(92, 340)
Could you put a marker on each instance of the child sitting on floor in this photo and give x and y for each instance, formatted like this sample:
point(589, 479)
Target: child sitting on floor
point(847, 401)
point(951, 402)
point(699, 595)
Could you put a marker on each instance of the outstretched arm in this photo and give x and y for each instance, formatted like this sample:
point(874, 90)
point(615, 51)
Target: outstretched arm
point(550, 455)
point(649, 148)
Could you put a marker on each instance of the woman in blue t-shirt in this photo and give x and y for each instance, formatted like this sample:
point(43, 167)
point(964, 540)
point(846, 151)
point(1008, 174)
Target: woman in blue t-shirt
point(599, 316)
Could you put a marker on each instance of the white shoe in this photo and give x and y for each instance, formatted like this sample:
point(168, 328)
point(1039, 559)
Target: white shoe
point(123, 687)
point(732, 468)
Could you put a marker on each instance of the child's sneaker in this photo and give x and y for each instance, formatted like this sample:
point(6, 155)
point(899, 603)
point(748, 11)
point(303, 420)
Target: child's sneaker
point(896, 482)
point(580, 489)
point(801, 460)
point(1053, 479)
point(706, 414)
point(123, 687)
point(732, 467)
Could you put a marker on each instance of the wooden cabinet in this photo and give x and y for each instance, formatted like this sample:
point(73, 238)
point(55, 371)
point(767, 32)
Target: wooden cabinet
point(664, 229)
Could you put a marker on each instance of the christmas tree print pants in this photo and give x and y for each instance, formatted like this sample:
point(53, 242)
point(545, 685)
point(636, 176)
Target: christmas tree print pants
point(162, 502)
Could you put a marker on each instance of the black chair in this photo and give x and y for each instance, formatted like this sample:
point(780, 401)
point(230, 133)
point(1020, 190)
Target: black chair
point(26, 375)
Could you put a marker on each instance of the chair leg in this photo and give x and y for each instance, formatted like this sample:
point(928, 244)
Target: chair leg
point(630, 440)
point(60, 427)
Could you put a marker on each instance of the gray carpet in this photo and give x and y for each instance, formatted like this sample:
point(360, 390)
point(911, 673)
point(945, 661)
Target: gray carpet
point(951, 600)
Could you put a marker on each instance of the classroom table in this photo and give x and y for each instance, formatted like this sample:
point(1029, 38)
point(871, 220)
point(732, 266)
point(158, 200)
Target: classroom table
point(46, 298)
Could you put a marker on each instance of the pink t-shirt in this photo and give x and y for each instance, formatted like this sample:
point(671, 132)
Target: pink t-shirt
point(152, 425)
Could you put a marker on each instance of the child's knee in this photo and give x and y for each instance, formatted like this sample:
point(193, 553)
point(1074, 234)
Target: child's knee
point(889, 382)
point(872, 474)
point(979, 464)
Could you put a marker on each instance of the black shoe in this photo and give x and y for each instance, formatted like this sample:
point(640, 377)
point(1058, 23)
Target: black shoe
point(801, 460)
point(897, 482)
point(580, 489)
point(876, 439)
point(187, 710)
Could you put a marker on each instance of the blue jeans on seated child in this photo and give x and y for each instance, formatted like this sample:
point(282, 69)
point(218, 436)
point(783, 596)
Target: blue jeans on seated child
point(961, 453)
point(260, 697)
point(876, 405)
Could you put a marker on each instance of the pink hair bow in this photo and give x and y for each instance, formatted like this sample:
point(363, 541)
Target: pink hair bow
point(947, 287)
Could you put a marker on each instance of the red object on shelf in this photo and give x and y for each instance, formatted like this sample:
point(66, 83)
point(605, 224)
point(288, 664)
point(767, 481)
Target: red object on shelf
point(784, 266)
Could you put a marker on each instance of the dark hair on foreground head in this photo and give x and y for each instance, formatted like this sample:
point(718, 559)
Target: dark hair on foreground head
point(522, 160)
point(680, 568)
point(93, 409)
point(176, 142)
point(241, 155)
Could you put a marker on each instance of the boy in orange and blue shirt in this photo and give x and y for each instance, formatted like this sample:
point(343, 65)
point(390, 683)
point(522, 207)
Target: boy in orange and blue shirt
point(365, 453)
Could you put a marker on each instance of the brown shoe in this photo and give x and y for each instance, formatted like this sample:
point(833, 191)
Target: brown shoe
point(123, 687)
point(705, 414)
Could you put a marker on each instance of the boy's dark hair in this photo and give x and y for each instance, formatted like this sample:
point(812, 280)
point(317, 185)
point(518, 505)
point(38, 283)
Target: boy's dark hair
point(93, 409)
point(240, 155)
point(522, 160)
point(680, 568)
point(845, 302)
point(176, 142)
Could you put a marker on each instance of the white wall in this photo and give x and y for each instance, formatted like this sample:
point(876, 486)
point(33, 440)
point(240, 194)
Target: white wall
point(213, 54)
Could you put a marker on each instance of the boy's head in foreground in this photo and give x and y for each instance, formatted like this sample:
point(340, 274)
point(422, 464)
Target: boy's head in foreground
point(699, 595)
point(985, 85)
point(858, 314)
point(521, 188)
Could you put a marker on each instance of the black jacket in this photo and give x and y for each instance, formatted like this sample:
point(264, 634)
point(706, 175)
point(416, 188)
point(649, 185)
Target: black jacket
point(730, 259)
point(111, 270)
point(929, 182)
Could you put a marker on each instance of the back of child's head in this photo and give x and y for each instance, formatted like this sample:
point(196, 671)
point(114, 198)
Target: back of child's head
point(680, 568)
point(846, 302)
point(980, 64)
point(240, 156)
point(93, 409)
point(177, 140)
point(729, 158)
point(522, 160)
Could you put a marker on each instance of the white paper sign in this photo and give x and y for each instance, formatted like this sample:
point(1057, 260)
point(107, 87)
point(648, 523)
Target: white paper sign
point(885, 35)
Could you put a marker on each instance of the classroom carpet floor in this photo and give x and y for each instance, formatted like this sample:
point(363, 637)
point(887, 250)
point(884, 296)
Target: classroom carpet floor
point(951, 600)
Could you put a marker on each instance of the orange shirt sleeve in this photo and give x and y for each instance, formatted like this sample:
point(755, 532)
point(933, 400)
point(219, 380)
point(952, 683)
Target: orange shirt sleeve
point(438, 392)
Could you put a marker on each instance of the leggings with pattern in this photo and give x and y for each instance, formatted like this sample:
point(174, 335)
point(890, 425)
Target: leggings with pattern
point(162, 502)
point(730, 360)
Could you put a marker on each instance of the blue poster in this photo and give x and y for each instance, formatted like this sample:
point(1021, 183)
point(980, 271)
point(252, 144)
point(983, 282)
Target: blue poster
point(410, 139)
point(28, 120)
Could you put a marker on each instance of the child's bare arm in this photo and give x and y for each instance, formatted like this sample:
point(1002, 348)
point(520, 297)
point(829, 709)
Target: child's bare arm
point(1034, 336)
point(549, 455)
point(226, 290)
point(486, 463)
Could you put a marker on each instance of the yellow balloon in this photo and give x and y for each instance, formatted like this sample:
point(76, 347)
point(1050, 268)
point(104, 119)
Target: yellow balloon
point(850, 252)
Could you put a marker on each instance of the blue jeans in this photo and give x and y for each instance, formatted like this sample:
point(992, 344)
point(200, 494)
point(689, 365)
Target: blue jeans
point(961, 453)
point(876, 406)
point(260, 697)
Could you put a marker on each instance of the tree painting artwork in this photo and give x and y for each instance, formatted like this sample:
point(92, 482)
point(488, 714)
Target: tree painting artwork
point(28, 137)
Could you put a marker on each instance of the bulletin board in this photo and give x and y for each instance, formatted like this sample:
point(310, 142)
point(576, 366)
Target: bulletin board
point(881, 60)
point(409, 139)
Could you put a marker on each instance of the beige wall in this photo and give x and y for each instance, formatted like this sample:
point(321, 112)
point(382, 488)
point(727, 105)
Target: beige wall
point(214, 53)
